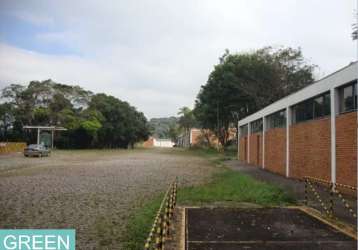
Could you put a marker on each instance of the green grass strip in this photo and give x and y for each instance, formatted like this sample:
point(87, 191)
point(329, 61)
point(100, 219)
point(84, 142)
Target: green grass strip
point(226, 186)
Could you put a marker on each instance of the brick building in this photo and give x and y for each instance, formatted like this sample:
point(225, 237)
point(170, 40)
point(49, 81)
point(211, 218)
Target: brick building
point(312, 132)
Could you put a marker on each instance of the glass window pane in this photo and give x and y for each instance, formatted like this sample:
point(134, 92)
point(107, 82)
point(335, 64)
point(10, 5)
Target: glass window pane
point(348, 103)
point(327, 104)
point(318, 107)
point(308, 110)
point(256, 126)
point(243, 131)
point(277, 120)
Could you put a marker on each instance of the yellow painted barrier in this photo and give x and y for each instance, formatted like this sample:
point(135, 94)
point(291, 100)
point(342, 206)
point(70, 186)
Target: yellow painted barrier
point(332, 188)
point(160, 228)
point(11, 147)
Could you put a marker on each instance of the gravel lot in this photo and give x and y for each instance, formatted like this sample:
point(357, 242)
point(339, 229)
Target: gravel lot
point(93, 191)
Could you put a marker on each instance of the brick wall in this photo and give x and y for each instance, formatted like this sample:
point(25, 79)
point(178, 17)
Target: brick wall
point(195, 136)
point(243, 149)
point(256, 149)
point(310, 149)
point(275, 150)
point(346, 148)
point(149, 143)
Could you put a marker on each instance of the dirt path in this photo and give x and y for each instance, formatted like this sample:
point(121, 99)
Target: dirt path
point(91, 191)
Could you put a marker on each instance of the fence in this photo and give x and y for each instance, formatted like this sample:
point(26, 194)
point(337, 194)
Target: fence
point(11, 147)
point(313, 184)
point(161, 226)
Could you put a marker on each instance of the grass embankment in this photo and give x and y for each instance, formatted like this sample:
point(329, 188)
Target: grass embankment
point(227, 186)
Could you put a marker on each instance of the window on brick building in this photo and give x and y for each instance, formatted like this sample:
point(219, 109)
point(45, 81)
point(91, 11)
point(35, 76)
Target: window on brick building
point(312, 108)
point(276, 120)
point(256, 126)
point(348, 98)
point(321, 105)
point(243, 130)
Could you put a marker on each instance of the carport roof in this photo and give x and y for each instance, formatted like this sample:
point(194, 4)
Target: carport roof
point(45, 127)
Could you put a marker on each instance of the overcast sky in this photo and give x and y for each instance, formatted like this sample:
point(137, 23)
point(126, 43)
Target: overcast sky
point(157, 54)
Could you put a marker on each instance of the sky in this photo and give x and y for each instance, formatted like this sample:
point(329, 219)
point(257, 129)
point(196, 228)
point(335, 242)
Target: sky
point(156, 54)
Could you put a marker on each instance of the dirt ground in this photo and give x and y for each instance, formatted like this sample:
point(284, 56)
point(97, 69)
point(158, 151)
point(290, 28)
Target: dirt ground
point(92, 191)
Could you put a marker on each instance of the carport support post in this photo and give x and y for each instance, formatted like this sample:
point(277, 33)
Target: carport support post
point(52, 136)
point(334, 103)
point(38, 135)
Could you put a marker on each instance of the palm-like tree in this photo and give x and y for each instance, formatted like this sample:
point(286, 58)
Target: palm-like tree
point(186, 119)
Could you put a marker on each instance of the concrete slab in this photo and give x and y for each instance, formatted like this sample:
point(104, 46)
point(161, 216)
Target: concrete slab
point(260, 228)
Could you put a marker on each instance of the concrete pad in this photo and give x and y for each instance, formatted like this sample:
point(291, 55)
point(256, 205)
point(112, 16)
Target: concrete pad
point(260, 228)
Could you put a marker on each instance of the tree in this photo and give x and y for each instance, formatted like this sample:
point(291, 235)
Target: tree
point(243, 83)
point(123, 125)
point(7, 118)
point(92, 120)
point(173, 132)
point(186, 118)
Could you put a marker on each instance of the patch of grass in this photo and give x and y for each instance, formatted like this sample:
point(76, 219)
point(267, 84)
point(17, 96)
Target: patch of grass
point(226, 186)
point(233, 186)
point(140, 223)
point(213, 155)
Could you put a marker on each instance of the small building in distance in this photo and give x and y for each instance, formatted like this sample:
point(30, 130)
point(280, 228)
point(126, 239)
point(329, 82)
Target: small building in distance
point(160, 143)
point(202, 137)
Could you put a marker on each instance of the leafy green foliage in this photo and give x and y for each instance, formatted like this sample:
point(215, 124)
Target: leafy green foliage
point(173, 132)
point(243, 83)
point(41, 116)
point(140, 224)
point(186, 119)
point(92, 120)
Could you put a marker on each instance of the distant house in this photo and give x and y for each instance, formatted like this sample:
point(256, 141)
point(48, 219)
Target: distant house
point(161, 143)
point(189, 138)
point(201, 137)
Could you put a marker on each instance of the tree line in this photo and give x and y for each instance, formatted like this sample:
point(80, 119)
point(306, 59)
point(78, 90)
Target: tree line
point(92, 120)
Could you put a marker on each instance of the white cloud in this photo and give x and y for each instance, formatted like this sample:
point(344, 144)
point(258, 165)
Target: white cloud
point(156, 54)
point(34, 19)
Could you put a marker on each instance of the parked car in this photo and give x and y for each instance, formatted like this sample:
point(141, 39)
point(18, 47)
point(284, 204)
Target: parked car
point(36, 150)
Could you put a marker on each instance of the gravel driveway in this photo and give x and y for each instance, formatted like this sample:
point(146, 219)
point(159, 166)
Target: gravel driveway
point(93, 191)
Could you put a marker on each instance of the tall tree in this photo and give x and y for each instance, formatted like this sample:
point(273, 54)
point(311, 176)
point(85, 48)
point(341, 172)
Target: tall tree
point(244, 83)
point(173, 132)
point(186, 118)
point(122, 126)
point(186, 122)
